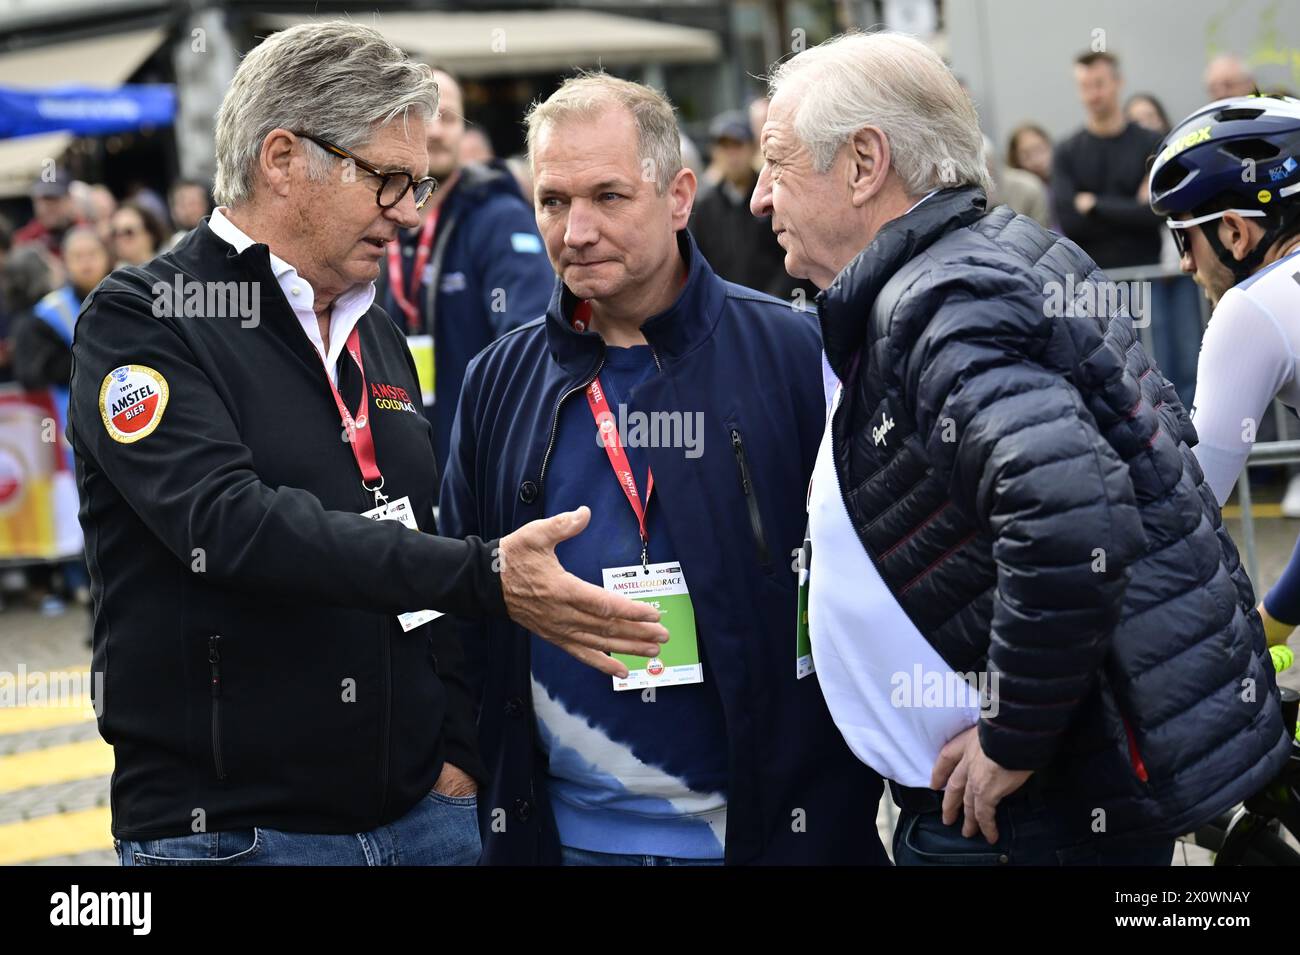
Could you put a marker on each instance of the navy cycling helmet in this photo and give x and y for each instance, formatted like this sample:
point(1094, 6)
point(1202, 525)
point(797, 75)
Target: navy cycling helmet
point(1241, 153)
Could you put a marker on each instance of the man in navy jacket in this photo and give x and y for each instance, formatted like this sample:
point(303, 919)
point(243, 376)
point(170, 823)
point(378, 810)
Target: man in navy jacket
point(481, 268)
point(714, 392)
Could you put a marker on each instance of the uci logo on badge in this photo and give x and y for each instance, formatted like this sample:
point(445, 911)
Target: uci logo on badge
point(131, 402)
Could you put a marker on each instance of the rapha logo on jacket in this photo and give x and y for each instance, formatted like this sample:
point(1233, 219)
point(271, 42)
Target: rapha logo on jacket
point(880, 431)
point(391, 398)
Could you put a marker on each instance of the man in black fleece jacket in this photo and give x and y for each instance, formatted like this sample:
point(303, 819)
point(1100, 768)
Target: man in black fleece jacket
point(1099, 174)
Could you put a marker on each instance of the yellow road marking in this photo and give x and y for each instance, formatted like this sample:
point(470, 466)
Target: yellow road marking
point(1233, 511)
point(57, 764)
point(21, 719)
point(60, 835)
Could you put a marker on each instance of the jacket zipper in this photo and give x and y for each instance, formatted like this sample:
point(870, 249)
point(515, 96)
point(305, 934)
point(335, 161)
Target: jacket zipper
point(214, 662)
point(555, 422)
point(751, 500)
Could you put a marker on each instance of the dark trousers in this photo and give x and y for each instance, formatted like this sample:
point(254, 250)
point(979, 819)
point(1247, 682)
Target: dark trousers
point(1031, 831)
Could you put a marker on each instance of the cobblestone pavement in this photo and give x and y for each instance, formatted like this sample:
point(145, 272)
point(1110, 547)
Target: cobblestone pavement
point(54, 769)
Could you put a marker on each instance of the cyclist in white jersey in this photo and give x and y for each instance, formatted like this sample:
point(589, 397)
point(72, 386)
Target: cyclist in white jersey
point(1228, 178)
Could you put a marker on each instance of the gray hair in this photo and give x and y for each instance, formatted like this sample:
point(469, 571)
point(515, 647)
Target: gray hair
point(337, 80)
point(588, 94)
point(26, 277)
point(896, 83)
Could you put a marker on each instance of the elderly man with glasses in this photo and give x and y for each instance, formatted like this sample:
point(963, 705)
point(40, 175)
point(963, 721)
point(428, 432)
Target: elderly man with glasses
point(257, 486)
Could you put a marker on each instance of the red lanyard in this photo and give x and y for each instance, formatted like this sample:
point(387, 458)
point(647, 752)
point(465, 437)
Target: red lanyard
point(618, 459)
point(357, 427)
point(406, 301)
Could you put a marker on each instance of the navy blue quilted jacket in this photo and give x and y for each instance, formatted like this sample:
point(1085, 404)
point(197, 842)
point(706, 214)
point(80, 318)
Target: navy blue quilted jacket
point(1037, 512)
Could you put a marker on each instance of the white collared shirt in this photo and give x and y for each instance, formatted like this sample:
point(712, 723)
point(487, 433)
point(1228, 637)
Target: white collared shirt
point(893, 698)
point(348, 307)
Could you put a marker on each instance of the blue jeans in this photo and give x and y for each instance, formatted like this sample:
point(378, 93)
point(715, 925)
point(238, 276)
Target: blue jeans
point(570, 856)
point(1028, 834)
point(440, 830)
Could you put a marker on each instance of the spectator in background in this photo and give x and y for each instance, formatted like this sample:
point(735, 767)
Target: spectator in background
point(1175, 303)
point(42, 359)
point(1147, 111)
point(472, 270)
point(1099, 174)
point(1227, 76)
point(1030, 148)
point(27, 275)
point(189, 202)
point(691, 157)
point(740, 246)
point(42, 336)
point(98, 204)
point(137, 234)
point(151, 201)
point(523, 172)
point(1021, 190)
point(475, 146)
point(53, 213)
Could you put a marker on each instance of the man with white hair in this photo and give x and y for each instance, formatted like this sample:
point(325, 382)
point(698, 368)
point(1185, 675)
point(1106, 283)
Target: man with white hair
point(703, 399)
point(257, 487)
point(1227, 76)
point(1020, 593)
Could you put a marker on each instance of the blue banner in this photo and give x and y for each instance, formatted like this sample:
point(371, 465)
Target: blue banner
point(84, 110)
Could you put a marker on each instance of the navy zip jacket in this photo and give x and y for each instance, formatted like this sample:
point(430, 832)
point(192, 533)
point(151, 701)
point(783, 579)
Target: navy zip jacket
point(490, 275)
point(735, 514)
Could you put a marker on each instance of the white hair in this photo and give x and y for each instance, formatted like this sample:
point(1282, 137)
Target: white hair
point(588, 94)
point(335, 79)
point(899, 85)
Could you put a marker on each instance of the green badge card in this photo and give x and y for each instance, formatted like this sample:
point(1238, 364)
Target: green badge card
point(803, 661)
point(664, 586)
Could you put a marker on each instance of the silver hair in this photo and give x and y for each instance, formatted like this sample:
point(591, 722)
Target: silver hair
point(898, 84)
point(336, 79)
point(588, 94)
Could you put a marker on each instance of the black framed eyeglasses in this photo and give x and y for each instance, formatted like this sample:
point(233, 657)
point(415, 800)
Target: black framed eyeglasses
point(393, 185)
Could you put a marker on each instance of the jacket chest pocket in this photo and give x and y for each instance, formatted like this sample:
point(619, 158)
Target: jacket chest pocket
point(749, 491)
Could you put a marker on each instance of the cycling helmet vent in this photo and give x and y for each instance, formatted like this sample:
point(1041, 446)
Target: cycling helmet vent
point(1225, 115)
point(1169, 176)
point(1256, 149)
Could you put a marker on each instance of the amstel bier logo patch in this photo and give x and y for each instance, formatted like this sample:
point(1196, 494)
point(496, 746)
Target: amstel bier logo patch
point(131, 402)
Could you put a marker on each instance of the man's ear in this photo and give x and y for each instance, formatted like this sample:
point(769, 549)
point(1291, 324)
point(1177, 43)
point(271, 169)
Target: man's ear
point(1239, 234)
point(275, 160)
point(869, 162)
point(681, 192)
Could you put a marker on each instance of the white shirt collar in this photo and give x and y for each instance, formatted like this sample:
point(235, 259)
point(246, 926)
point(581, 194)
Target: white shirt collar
point(348, 307)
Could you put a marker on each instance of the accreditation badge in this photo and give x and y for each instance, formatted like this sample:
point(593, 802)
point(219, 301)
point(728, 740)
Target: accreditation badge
point(663, 586)
point(803, 661)
point(400, 511)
